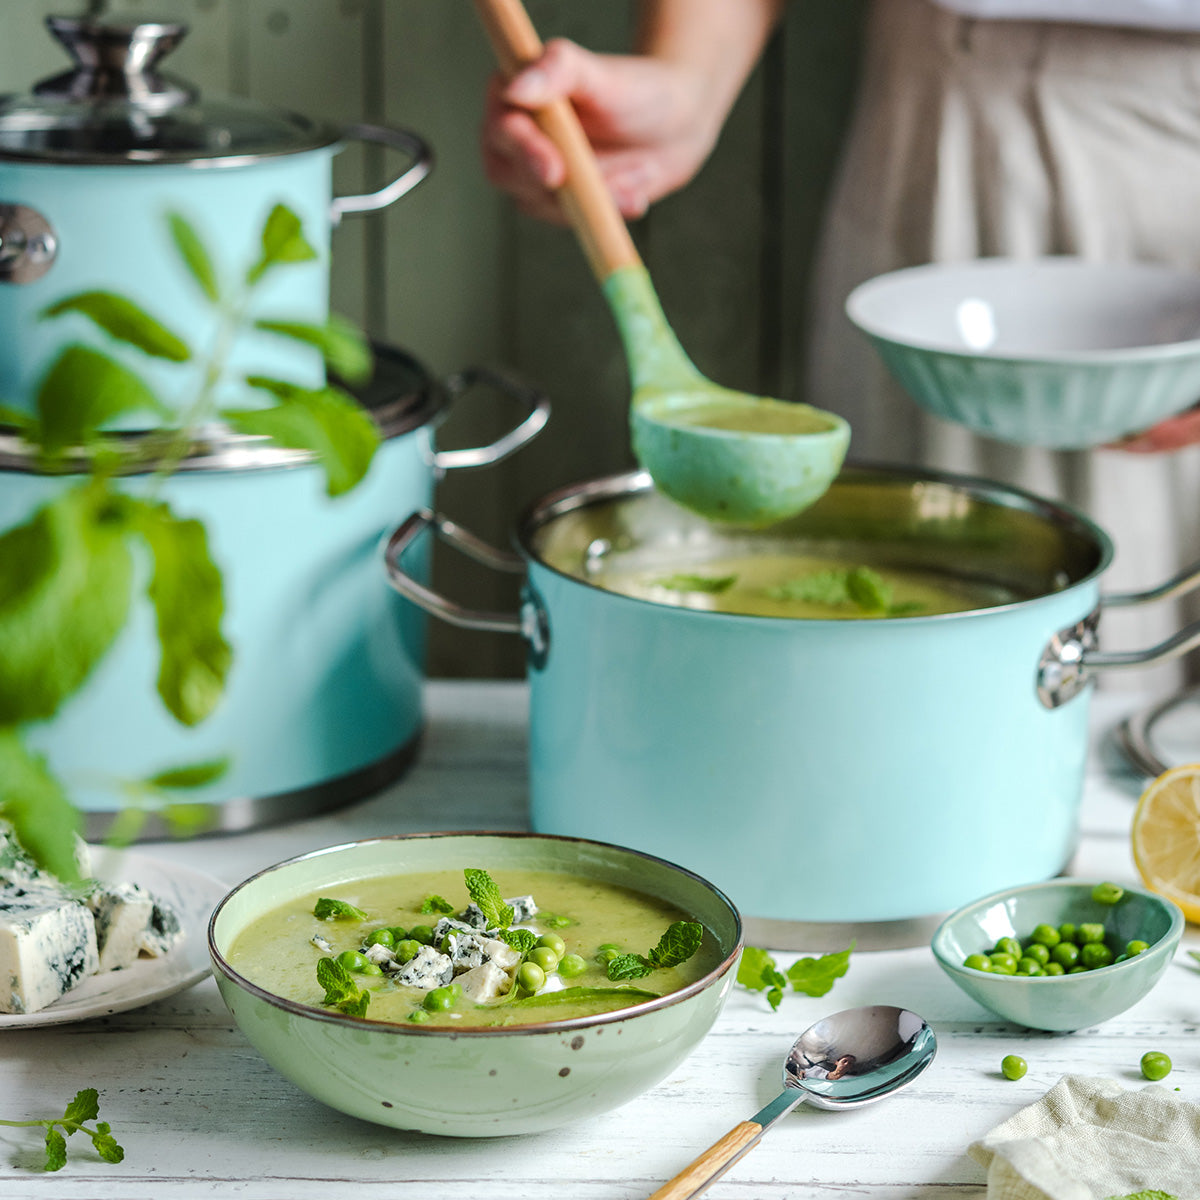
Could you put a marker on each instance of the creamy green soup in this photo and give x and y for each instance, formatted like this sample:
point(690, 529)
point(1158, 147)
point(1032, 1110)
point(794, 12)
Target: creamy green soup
point(762, 415)
point(802, 586)
point(595, 921)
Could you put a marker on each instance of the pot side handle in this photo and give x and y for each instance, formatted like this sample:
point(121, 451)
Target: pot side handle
point(416, 148)
point(537, 402)
point(1178, 585)
point(475, 548)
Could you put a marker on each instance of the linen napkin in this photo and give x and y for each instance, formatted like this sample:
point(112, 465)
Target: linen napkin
point(1089, 1139)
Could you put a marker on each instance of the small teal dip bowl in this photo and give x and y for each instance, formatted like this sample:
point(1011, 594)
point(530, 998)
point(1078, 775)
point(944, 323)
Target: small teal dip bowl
point(476, 1082)
point(1060, 1003)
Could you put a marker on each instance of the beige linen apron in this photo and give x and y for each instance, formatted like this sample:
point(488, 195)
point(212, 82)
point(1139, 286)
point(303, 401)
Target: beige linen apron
point(1019, 138)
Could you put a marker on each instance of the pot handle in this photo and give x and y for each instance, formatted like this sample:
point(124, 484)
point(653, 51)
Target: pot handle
point(1178, 585)
point(395, 139)
point(473, 547)
point(536, 401)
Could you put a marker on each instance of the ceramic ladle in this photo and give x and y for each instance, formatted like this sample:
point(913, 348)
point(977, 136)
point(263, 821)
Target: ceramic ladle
point(727, 455)
point(843, 1061)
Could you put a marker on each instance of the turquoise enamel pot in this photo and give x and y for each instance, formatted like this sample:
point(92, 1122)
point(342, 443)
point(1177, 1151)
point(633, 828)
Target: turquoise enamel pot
point(322, 704)
point(828, 772)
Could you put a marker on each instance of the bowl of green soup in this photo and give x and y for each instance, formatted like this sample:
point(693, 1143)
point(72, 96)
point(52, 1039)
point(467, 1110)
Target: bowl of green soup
point(475, 984)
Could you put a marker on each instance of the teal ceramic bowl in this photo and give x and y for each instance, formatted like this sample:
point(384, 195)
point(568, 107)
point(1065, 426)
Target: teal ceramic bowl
point(475, 1082)
point(1054, 352)
point(1060, 1003)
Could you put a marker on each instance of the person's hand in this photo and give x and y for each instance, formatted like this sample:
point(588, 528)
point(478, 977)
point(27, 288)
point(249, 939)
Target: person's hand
point(1172, 434)
point(651, 122)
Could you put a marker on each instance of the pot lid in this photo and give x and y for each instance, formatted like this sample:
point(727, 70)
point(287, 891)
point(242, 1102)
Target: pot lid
point(114, 106)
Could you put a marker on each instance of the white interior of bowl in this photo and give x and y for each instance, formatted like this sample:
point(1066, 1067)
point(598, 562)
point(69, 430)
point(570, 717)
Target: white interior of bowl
point(1043, 309)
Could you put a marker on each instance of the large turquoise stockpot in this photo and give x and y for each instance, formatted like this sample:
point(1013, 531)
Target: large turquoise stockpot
point(94, 161)
point(323, 702)
point(829, 773)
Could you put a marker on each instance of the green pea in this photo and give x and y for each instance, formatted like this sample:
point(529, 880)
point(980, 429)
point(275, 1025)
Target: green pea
point(1029, 966)
point(455, 989)
point(407, 950)
point(1095, 954)
point(1065, 954)
point(531, 977)
point(1046, 935)
point(1121, 958)
point(1013, 1066)
point(1155, 1065)
point(352, 960)
point(1053, 968)
point(398, 932)
point(978, 962)
point(1090, 931)
point(1038, 951)
point(606, 954)
point(382, 937)
point(544, 957)
point(1003, 964)
point(419, 1015)
point(370, 969)
point(571, 965)
point(1008, 945)
point(439, 999)
point(552, 941)
point(1067, 931)
point(422, 934)
point(1136, 947)
point(1077, 970)
point(1107, 893)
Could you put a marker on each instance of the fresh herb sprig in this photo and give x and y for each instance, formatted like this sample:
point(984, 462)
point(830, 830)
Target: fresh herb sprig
point(328, 909)
point(681, 940)
point(436, 904)
point(857, 588)
point(759, 972)
point(341, 992)
point(83, 1108)
point(485, 894)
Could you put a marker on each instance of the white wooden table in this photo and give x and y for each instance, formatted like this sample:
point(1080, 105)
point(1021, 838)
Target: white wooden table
point(200, 1114)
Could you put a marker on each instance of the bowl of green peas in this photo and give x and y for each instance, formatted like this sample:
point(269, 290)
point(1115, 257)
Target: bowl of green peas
point(1060, 955)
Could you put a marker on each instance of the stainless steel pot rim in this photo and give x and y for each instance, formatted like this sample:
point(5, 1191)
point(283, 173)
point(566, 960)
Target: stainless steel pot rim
point(219, 448)
point(574, 497)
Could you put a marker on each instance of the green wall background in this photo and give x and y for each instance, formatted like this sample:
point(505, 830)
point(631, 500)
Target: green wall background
point(453, 274)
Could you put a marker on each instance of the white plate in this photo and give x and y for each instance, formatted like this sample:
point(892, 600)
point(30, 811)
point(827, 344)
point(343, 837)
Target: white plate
point(192, 894)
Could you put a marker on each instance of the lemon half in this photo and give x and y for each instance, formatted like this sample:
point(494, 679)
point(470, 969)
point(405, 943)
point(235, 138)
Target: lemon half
point(1166, 837)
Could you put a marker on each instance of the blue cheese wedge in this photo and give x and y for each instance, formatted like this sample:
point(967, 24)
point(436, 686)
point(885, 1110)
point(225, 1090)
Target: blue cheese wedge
point(47, 945)
point(484, 982)
point(427, 969)
point(523, 908)
point(123, 912)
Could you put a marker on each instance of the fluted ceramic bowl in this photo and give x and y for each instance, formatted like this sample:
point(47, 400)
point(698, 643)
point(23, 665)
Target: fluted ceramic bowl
point(1053, 352)
point(475, 1082)
point(1060, 1003)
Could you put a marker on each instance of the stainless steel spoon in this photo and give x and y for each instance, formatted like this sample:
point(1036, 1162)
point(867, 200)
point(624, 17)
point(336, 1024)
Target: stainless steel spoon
point(728, 455)
point(850, 1058)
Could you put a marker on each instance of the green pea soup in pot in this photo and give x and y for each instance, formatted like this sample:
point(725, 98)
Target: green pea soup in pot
point(425, 954)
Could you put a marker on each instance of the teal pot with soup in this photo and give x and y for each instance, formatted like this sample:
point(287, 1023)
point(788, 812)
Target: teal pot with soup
point(515, 1062)
point(892, 720)
point(322, 703)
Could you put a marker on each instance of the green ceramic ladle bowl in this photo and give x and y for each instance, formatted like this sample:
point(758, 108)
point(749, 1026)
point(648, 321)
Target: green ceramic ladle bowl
point(728, 455)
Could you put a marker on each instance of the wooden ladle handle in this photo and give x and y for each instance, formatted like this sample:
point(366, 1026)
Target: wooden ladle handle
point(712, 1163)
point(585, 196)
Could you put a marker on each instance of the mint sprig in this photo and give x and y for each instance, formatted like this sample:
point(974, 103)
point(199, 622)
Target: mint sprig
point(759, 972)
point(341, 992)
point(83, 1108)
point(328, 909)
point(680, 941)
point(435, 904)
point(484, 893)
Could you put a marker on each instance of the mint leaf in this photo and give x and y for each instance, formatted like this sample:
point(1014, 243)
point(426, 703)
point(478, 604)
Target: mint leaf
point(628, 966)
point(66, 579)
point(482, 889)
point(758, 972)
point(341, 992)
point(189, 603)
point(697, 583)
point(195, 256)
point(84, 1107)
point(327, 422)
point(356, 1005)
point(868, 590)
point(17, 418)
point(56, 1149)
point(125, 321)
point(337, 910)
point(187, 820)
point(677, 945)
point(283, 241)
point(521, 940)
point(197, 775)
point(34, 802)
point(106, 1146)
point(436, 904)
point(821, 587)
point(345, 350)
point(815, 976)
point(1147, 1195)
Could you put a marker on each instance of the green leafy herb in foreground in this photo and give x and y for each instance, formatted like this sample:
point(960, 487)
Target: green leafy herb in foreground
point(713, 584)
point(521, 940)
point(1147, 1195)
point(327, 909)
point(85, 1107)
point(341, 992)
point(681, 940)
point(484, 893)
point(812, 976)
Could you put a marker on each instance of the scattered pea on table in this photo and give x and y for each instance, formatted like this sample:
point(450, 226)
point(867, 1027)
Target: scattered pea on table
point(1155, 1065)
point(1013, 1066)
